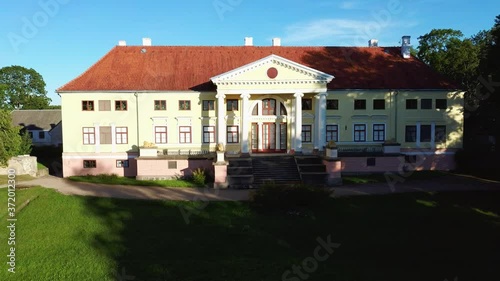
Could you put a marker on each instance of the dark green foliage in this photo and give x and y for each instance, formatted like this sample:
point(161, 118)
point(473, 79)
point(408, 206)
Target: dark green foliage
point(11, 142)
point(273, 197)
point(22, 88)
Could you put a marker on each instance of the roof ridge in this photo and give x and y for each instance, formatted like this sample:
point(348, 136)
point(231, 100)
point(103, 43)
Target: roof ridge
point(88, 69)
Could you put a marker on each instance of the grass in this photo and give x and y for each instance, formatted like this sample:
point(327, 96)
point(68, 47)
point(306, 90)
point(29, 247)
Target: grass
point(415, 236)
point(116, 180)
point(4, 179)
point(381, 177)
point(40, 166)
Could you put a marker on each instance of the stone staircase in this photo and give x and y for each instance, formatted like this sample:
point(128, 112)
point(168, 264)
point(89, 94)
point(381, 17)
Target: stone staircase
point(312, 170)
point(277, 169)
point(240, 173)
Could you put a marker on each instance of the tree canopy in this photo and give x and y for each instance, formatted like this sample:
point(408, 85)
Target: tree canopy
point(22, 88)
point(474, 63)
point(12, 143)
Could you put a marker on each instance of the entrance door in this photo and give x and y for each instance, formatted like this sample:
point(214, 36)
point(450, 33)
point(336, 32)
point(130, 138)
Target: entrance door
point(269, 137)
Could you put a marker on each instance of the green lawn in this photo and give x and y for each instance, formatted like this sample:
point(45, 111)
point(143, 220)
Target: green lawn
point(408, 237)
point(381, 177)
point(115, 180)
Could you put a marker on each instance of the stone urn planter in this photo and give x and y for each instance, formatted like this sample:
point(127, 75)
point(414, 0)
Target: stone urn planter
point(148, 150)
point(331, 150)
point(219, 150)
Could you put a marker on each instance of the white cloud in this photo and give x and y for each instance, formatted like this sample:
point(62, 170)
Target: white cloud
point(341, 31)
point(349, 5)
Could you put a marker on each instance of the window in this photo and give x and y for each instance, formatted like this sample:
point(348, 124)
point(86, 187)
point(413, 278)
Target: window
point(104, 105)
point(185, 134)
point(172, 165)
point(425, 133)
point(441, 104)
point(410, 159)
point(88, 135)
point(232, 134)
point(160, 105)
point(426, 104)
point(332, 133)
point(105, 135)
point(378, 132)
point(89, 164)
point(306, 133)
point(208, 134)
point(269, 107)
point(378, 104)
point(232, 105)
point(160, 134)
point(121, 135)
point(440, 133)
point(359, 104)
point(255, 110)
point(184, 105)
point(88, 105)
point(332, 104)
point(208, 105)
point(41, 135)
point(282, 109)
point(121, 105)
point(370, 162)
point(122, 164)
point(411, 133)
point(306, 104)
point(411, 104)
point(359, 132)
point(30, 134)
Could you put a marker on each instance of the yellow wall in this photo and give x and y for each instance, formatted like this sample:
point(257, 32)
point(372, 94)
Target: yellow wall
point(74, 119)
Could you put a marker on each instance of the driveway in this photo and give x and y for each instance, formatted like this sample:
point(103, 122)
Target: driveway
point(444, 183)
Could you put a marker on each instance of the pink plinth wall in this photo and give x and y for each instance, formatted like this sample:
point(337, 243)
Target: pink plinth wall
point(153, 169)
point(220, 175)
point(334, 169)
point(74, 167)
point(438, 162)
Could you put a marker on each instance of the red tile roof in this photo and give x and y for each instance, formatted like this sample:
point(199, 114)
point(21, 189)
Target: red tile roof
point(164, 68)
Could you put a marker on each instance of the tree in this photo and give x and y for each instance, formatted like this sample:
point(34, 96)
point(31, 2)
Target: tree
point(22, 88)
point(11, 142)
point(446, 52)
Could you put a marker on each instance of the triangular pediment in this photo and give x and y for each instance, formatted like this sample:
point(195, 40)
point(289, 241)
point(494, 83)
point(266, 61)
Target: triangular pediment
point(271, 70)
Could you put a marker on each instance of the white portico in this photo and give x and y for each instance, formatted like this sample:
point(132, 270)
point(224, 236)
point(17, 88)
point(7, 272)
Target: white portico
point(260, 106)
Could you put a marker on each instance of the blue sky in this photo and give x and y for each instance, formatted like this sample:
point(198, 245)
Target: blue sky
point(62, 38)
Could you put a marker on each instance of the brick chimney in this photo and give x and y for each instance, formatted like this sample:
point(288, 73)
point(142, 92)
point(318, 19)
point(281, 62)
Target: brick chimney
point(373, 43)
point(248, 41)
point(146, 42)
point(406, 47)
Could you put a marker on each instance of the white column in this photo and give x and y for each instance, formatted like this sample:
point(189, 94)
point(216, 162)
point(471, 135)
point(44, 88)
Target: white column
point(418, 134)
point(259, 145)
point(277, 134)
point(113, 137)
point(97, 137)
point(298, 121)
point(221, 111)
point(245, 119)
point(433, 135)
point(320, 120)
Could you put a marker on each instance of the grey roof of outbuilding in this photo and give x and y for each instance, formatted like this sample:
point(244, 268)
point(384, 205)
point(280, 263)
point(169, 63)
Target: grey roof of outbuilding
point(45, 119)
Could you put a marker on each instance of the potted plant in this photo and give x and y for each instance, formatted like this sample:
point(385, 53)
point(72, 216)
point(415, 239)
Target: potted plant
point(331, 149)
point(219, 149)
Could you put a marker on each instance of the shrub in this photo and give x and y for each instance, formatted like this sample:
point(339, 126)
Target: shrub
point(199, 176)
point(286, 198)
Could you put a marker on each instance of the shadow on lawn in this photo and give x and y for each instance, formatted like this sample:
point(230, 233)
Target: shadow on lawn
point(416, 236)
